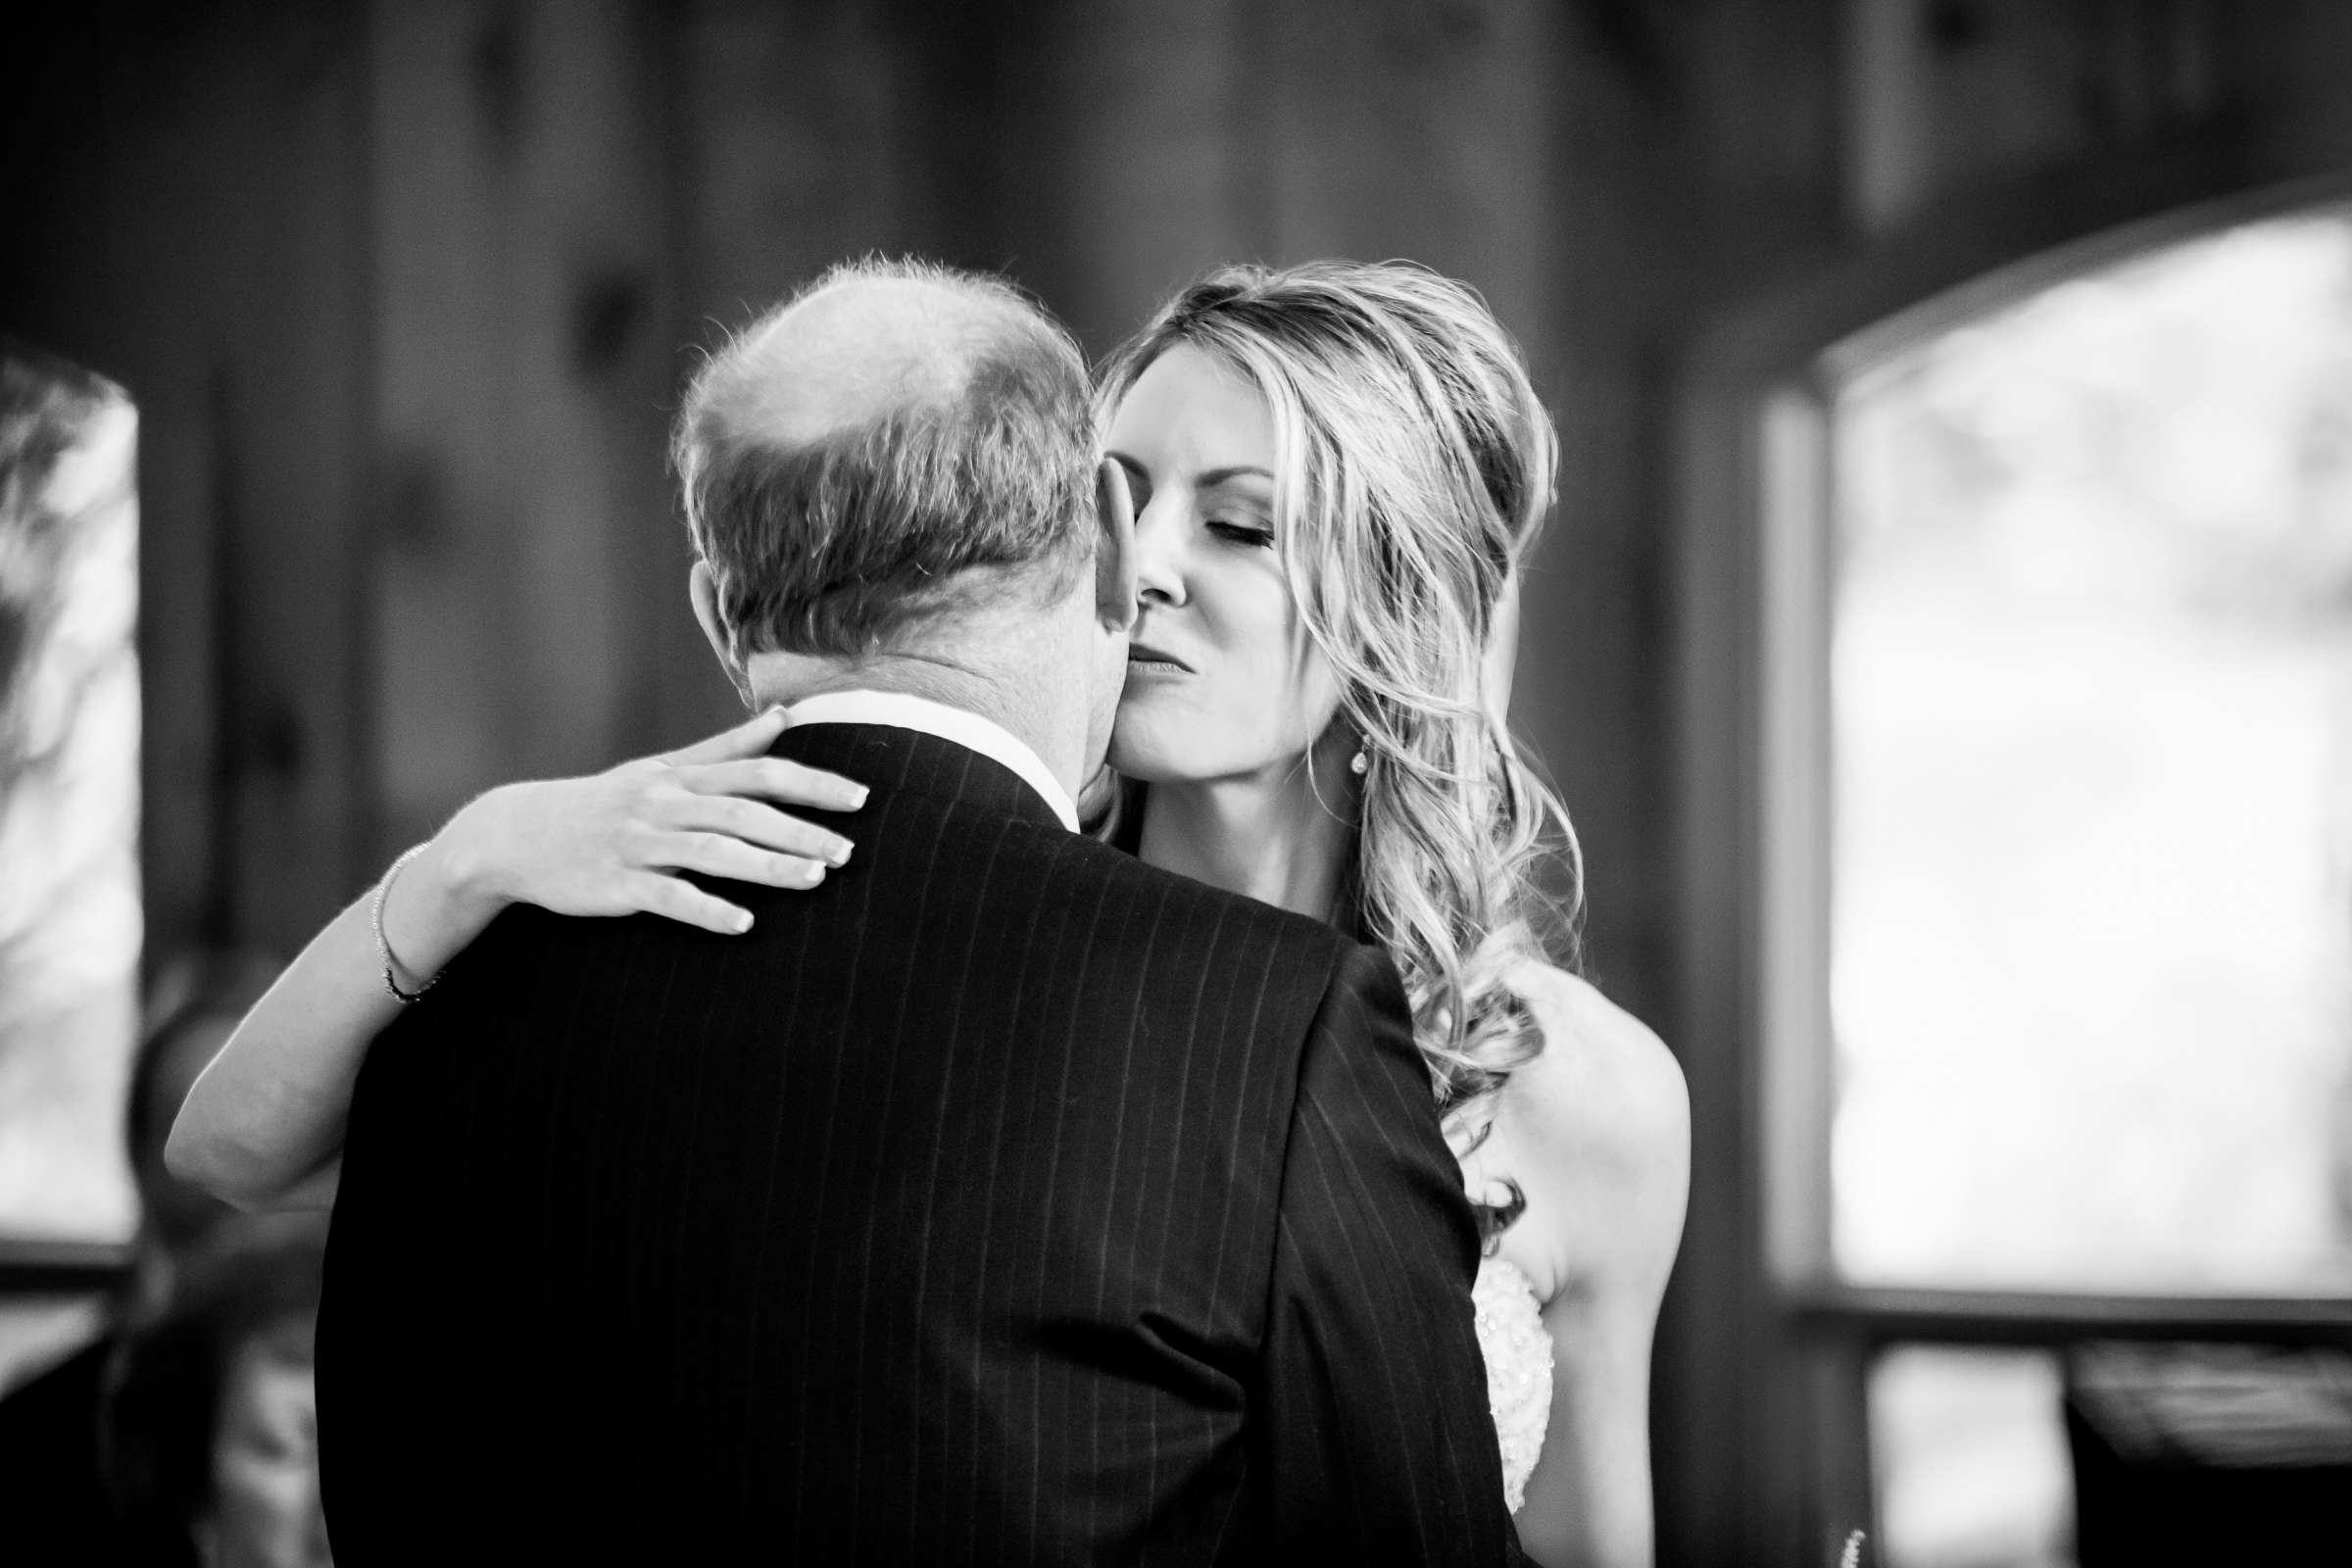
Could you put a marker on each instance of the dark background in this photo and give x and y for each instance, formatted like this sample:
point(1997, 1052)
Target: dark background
point(405, 294)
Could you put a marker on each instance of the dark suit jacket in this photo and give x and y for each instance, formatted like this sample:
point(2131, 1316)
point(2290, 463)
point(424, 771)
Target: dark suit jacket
point(1005, 1199)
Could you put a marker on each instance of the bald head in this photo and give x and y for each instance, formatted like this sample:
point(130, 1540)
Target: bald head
point(863, 451)
point(858, 347)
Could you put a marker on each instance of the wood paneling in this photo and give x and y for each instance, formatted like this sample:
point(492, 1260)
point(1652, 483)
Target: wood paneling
point(521, 317)
point(184, 200)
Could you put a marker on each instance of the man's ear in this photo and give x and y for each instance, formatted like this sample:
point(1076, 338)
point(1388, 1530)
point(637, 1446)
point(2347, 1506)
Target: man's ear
point(702, 588)
point(1115, 547)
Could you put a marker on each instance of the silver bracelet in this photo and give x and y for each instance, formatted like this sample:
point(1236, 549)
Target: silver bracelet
point(383, 948)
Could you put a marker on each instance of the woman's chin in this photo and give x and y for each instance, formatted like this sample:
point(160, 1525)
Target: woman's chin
point(1137, 765)
point(1138, 752)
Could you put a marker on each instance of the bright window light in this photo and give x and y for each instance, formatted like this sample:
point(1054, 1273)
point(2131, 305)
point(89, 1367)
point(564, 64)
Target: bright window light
point(2091, 716)
point(70, 912)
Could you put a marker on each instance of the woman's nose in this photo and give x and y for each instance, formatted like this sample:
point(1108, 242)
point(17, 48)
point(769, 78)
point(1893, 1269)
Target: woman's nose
point(1158, 555)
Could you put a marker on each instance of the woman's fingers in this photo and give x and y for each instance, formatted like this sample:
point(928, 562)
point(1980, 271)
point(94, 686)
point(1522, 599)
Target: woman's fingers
point(678, 900)
point(720, 854)
point(607, 845)
point(750, 738)
point(757, 824)
point(775, 779)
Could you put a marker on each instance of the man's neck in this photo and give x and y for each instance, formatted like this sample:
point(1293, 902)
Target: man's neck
point(1033, 717)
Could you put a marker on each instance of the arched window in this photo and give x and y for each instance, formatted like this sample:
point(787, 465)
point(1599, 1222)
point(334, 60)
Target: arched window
point(2088, 745)
point(2091, 742)
point(2019, 708)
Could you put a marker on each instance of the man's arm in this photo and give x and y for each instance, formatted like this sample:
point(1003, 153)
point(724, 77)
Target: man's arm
point(1372, 1440)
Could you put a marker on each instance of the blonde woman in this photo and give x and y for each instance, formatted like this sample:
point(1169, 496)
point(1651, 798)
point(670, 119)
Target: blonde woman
point(1335, 468)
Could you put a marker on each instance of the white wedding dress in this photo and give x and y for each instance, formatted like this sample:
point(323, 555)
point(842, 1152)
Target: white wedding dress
point(1518, 1357)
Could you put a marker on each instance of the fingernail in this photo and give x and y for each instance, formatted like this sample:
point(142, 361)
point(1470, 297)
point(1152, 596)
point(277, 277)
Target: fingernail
point(741, 922)
point(812, 876)
point(838, 852)
point(855, 798)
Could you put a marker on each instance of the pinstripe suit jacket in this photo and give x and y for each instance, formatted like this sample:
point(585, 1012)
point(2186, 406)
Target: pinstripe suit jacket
point(1005, 1199)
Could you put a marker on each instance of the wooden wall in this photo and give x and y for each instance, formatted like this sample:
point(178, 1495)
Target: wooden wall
point(528, 577)
point(185, 200)
point(406, 292)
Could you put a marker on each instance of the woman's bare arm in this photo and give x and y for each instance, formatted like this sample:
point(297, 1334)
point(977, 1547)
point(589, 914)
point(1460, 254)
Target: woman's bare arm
point(1598, 1129)
point(1589, 1499)
point(263, 1127)
point(268, 1112)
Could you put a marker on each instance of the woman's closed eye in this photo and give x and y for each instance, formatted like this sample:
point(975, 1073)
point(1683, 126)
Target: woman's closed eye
point(1237, 531)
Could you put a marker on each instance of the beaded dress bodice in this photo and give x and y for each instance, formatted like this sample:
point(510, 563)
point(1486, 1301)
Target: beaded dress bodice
point(1518, 1357)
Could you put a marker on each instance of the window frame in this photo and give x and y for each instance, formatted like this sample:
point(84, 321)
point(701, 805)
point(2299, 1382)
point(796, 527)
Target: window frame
point(1763, 1319)
point(44, 1270)
point(1797, 497)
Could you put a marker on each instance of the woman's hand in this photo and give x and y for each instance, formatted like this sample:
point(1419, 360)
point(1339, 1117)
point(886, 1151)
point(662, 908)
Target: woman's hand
point(615, 843)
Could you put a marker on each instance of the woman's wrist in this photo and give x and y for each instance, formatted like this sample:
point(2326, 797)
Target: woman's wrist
point(443, 896)
point(469, 875)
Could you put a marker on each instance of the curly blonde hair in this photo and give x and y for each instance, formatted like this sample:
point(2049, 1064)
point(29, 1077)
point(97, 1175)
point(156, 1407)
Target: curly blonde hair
point(1414, 465)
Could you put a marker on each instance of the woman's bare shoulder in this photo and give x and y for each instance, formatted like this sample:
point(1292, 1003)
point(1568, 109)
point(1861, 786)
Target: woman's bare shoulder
point(1595, 1131)
point(1603, 1080)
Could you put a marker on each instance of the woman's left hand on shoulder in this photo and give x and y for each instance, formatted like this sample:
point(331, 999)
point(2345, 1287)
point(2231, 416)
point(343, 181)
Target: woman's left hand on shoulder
point(620, 842)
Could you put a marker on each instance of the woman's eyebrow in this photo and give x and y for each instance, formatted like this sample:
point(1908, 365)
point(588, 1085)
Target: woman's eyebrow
point(1217, 476)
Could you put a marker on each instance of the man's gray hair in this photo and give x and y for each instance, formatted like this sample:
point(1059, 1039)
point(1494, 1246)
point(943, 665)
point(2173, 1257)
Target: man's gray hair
point(836, 544)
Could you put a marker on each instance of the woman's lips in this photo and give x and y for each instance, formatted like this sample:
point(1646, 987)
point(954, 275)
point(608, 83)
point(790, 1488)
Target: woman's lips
point(1146, 661)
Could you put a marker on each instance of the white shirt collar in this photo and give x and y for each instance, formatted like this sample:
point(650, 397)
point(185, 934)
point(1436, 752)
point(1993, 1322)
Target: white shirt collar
point(963, 728)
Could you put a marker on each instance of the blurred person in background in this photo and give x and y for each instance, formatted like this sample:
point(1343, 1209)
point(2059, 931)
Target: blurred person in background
point(121, 1452)
point(210, 1438)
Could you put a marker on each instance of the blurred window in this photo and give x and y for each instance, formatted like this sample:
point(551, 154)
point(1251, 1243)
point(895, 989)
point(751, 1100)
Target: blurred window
point(2090, 715)
point(2080, 782)
point(70, 912)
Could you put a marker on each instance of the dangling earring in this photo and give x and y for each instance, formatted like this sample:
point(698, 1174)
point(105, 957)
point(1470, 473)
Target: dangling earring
point(1359, 764)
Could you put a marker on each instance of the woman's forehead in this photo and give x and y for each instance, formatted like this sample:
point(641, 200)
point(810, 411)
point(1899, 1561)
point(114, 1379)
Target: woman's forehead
point(1190, 410)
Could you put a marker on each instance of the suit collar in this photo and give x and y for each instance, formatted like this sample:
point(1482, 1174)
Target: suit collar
point(955, 726)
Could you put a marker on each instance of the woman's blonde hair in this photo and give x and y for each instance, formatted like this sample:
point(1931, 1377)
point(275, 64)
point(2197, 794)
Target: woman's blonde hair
point(1414, 465)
